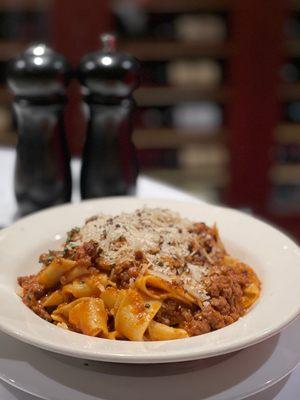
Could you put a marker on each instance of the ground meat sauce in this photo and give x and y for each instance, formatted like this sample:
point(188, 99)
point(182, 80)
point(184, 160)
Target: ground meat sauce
point(124, 274)
point(33, 291)
point(189, 255)
point(225, 287)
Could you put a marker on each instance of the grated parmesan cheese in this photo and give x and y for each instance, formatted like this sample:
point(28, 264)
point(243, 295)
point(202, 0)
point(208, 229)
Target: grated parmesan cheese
point(164, 238)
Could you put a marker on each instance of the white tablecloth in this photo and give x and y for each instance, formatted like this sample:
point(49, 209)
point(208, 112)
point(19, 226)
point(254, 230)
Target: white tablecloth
point(288, 389)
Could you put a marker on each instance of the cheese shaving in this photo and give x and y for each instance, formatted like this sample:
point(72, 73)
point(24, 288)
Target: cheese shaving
point(164, 238)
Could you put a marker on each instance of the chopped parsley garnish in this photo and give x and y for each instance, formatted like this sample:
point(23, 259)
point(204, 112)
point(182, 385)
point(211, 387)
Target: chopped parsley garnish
point(71, 233)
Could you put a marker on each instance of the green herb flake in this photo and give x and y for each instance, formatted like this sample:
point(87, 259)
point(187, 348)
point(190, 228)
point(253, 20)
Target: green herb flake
point(72, 232)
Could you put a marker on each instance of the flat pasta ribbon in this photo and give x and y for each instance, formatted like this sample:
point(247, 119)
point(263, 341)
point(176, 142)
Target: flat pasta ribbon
point(157, 288)
point(87, 314)
point(158, 331)
point(134, 314)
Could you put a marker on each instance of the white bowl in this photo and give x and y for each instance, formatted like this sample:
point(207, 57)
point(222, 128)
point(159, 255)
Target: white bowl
point(273, 256)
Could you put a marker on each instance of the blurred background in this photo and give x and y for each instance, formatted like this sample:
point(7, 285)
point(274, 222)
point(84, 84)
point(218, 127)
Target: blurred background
point(219, 104)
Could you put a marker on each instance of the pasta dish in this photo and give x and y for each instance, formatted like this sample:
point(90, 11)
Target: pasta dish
point(146, 275)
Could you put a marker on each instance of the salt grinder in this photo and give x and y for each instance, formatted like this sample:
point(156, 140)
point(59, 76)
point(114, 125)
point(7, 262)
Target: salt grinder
point(108, 79)
point(38, 79)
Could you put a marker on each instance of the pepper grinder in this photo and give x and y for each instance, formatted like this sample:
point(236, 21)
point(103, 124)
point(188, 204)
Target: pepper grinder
point(108, 79)
point(38, 79)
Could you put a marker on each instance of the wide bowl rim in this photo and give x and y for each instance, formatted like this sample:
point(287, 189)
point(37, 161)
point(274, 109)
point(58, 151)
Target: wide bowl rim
point(188, 351)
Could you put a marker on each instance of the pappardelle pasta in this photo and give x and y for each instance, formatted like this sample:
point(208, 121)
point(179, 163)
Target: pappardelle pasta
point(147, 275)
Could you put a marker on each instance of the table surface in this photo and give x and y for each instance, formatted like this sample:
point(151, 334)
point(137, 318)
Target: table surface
point(287, 389)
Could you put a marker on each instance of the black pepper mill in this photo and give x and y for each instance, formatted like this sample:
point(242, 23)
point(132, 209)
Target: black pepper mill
point(108, 79)
point(38, 79)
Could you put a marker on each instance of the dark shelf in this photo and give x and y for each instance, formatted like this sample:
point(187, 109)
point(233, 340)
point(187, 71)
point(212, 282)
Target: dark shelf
point(177, 6)
point(285, 174)
point(288, 133)
point(9, 49)
point(214, 176)
point(293, 48)
point(148, 50)
point(24, 5)
point(290, 91)
point(170, 95)
point(295, 5)
point(173, 139)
